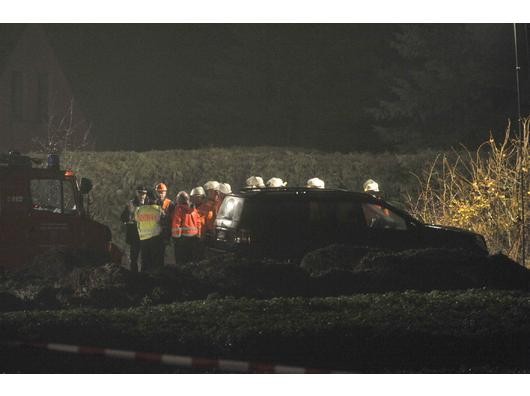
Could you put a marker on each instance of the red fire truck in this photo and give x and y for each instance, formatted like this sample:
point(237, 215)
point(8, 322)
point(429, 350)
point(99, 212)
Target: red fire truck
point(43, 208)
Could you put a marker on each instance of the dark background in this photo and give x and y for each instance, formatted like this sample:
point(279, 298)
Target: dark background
point(334, 87)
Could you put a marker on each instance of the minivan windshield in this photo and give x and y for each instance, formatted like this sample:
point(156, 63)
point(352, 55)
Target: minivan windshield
point(230, 209)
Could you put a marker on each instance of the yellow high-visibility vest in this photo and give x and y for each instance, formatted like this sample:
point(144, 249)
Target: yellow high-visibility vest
point(148, 221)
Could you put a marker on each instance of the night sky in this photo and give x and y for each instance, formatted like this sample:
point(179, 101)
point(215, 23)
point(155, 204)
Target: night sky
point(164, 86)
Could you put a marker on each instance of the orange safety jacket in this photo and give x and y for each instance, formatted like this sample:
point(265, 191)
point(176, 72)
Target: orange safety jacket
point(186, 222)
point(166, 205)
point(208, 211)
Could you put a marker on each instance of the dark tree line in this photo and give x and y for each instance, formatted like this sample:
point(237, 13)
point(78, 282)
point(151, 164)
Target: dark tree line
point(332, 87)
point(450, 84)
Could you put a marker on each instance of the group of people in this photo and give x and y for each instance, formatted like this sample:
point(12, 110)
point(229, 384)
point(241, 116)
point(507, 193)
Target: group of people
point(152, 220)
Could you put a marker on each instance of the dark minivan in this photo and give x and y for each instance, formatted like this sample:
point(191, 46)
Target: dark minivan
point(289, 222)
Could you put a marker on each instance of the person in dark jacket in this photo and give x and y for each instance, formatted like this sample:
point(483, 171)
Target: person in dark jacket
point(131, 231)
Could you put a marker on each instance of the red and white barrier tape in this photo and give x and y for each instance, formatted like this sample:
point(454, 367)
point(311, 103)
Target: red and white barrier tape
point(176, 360)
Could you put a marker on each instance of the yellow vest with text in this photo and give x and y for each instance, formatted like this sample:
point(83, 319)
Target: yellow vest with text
point(148, 221)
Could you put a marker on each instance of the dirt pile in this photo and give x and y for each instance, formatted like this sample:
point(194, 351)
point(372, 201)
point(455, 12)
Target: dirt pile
point(342, 269)
point(229, 275)
point(59, 281)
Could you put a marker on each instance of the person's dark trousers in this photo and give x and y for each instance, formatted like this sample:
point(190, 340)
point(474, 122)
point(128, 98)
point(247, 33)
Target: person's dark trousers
point(186, 249)
point(152, 253)
point(199, 248)
point(158, 251)
point(134, 255)
point(146, 247)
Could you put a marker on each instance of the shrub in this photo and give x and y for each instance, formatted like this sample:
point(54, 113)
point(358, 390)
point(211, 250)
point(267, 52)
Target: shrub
point(480, 191)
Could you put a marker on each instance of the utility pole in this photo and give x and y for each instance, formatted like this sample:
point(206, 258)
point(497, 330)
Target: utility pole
point(520, 149)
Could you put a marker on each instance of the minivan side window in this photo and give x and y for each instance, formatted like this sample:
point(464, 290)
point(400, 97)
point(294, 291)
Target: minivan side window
point(379, 217)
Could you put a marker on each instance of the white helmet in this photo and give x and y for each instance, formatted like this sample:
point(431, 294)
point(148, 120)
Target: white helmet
point(370, 185)
point(197, 191)
point(315, 182)
point(225, 188)
point(211, 185)
point(276, 182)
point(255, 182)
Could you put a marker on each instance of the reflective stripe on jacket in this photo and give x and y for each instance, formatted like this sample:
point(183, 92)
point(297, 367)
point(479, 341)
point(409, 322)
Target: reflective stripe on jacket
point(186, 222)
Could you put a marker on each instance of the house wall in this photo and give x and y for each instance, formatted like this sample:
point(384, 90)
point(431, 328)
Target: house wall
point(35, 97)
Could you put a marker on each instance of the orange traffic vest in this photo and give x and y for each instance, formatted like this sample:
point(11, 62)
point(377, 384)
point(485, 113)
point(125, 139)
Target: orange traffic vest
point(186, 222)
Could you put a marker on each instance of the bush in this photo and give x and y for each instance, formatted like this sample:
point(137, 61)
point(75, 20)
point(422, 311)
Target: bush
point(480, 191)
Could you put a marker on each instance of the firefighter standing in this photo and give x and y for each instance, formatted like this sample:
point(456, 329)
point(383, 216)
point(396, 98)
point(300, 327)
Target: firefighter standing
point(372, 187)
point(185, 230)
point(224, 190)
point(167, 207)
point(275, 182)
point(198, 201)
point(209, 209)
point(197, 197)
point(131, 231)
point(254, 182)
point(315, 182)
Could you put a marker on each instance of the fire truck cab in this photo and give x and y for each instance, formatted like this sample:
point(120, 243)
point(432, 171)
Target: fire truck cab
point(43, 208)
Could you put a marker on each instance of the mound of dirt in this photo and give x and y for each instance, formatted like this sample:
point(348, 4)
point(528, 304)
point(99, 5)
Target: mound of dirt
point(59, 281)
point(366, 270)
point(443, 269)
point(62, 278)
point(334, 257)
point(9, 302)
point(230, 275)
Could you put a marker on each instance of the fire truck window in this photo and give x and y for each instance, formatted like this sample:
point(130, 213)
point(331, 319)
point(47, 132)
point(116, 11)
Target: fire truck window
point(69, 197)
point(379, 217)
point(46, 195)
